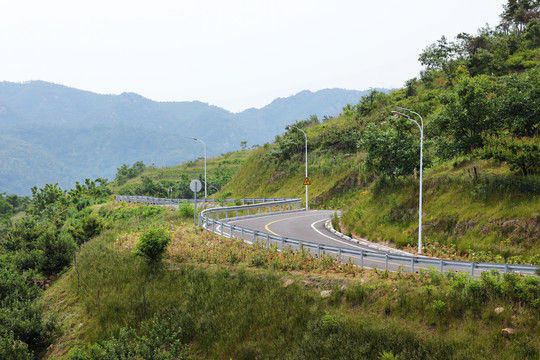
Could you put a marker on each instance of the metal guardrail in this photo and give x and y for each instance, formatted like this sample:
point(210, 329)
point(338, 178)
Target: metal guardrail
point(164, 201)
point(210, 220)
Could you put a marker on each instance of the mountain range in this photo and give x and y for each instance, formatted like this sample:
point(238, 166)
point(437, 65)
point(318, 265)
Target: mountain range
point(57, 134)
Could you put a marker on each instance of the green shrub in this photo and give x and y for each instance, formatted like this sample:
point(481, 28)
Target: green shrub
point(161, 341)
point(357, 293)
point(388, 356)
point(13, 349)
point(439, 307)
point(57, 249)
point(186, 211)
point(153, 244)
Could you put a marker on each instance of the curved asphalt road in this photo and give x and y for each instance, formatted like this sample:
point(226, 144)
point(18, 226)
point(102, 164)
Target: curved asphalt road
point(305, 226)
point(308, 226)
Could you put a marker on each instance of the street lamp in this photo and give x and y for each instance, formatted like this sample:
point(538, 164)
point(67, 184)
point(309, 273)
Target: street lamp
point(193, 138)
point(305, 181)
point(421, 127)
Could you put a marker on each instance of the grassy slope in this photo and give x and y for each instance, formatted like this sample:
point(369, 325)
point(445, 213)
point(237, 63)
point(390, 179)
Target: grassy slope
point(237, 301)
point(472, 216)
point(193, 169)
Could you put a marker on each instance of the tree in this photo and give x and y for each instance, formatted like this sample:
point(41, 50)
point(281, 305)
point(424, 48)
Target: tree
point(58, 249)
point(517, 104)
point(370, 102)
point(468, 111)
point(442, 55)
point(392, 149)
point(519, 12)
point(520, 153)
point(125, 172)
point(49, 201)
point(153, 244)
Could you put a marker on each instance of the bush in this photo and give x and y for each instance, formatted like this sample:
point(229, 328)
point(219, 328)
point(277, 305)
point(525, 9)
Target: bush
point(186, 211)
point(153, 244)
point(357, 293)
point(58, 250)
point(162, 342)
point(11, 348)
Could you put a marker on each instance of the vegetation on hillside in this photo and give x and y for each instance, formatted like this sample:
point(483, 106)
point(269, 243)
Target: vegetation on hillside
point(134, 281)
point(220, 298)
point(139, 179)
point(35, 249)
point(478, 97)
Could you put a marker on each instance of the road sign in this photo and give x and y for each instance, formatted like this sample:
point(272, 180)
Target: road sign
point(307, 182)
point(195, 186)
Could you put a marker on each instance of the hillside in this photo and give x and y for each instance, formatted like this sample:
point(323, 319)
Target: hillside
point(56, 132)
point(481, 182)
point(83, 276)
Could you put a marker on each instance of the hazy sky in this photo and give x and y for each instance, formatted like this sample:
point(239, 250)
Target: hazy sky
point(230, 53)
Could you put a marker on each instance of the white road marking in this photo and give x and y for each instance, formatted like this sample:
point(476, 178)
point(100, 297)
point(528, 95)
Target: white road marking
point(331, 238)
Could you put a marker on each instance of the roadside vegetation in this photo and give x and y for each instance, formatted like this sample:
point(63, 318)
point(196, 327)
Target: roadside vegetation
point(478, 97)
point(85, 277)
point(213, 297)
point(139, 179)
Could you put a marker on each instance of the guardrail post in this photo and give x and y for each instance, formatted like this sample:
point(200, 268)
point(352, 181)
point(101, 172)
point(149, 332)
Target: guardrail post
point(362, 258)
point(236, 213)
point(385, 261)
point(506, 268)
point(222, 226)
point(412, 264)
point(254, 236)
point(279, 207)
point(289, 207)
point(213, 226)
point(472, 268)
point(248, 210)
point(318, 250)
point(282, 243)
point(259, 210)
point(442, 264)
point(267, 240)
point(232, 231)
point(339, 254)
point(242, 233)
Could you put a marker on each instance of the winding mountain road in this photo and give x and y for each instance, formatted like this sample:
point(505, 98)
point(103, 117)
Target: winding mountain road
point(309, 226)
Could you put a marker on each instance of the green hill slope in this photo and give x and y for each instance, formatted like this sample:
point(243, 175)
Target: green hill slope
point(481, 154)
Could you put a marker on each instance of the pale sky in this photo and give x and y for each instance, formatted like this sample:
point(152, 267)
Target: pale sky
point(231, 53)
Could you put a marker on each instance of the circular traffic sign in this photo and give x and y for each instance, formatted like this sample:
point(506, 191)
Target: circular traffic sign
point(195, 186)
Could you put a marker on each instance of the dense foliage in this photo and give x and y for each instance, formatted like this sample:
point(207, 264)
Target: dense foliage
point(179, 187)
point(125, 172)
point(478, 99)
point(248, 305)
point(9, 206)
point(41, 244)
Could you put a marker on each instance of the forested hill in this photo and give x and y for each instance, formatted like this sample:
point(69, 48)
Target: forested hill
point(53, 133)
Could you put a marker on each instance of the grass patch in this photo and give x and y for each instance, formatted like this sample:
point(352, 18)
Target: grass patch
point(224, 299)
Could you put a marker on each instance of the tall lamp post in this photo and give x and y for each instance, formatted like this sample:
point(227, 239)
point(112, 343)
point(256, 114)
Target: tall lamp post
point(421, 127)
point(297, 128)
point(193, 138)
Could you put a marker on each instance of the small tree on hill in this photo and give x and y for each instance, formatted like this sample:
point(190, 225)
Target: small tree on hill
point(153, 244)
